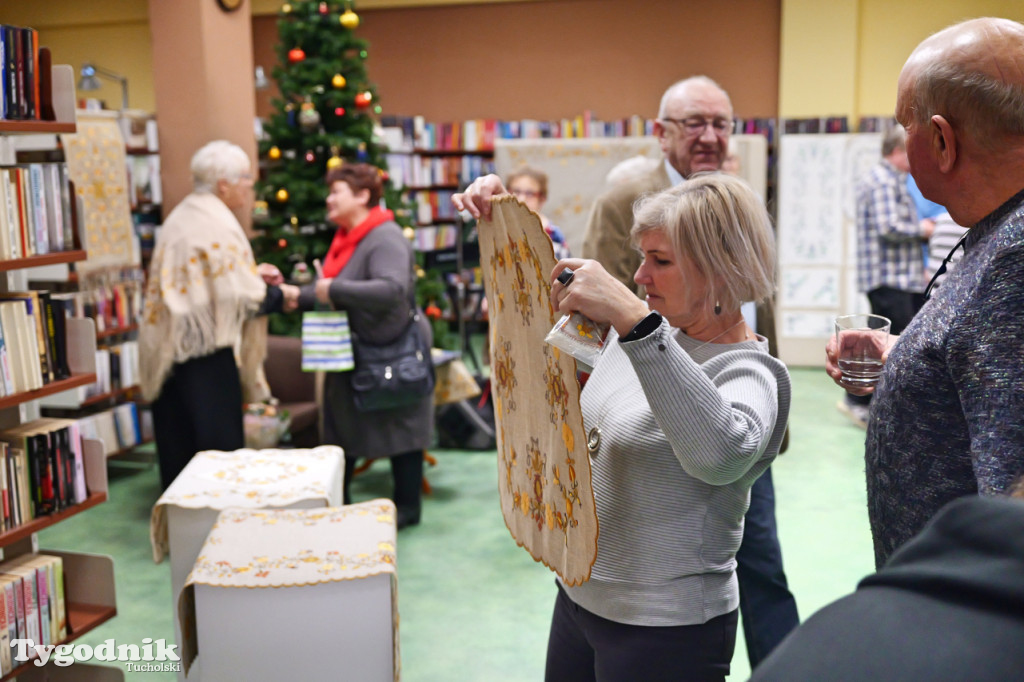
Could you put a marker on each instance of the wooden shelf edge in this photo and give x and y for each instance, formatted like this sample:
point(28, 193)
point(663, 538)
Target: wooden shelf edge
point(44, 259)
point(51, 388)
point(130, 448)
point(36, 127)
point(82, 618)
point(116, 331)
point(102, 397)
point(452, 152)
point(37, 524)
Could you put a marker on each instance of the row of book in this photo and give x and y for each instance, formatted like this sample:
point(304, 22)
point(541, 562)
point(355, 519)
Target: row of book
point(33, 340)
point(434, 237)
point(431, 205)
point(44, 470)
point(119, 428)
point(19, 73)
point(117, 367)
point(412, 133)
point(32, 605)
point(418, 170)
point(37, 213)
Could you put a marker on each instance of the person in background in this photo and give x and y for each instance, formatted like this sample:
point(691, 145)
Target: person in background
point(946, 412)
point(684, 411)
point(890, 265)
point(631, 169)
point(530, 186)
point(695, 120)
point(943, 245)
point(368, 273)
point(200, 352)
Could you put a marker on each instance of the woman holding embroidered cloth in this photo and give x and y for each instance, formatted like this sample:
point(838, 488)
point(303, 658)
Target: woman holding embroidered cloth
point(368, 272)
point(200, 350)
point(683, 411)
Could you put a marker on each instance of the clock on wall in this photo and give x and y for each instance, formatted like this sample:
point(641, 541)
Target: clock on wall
point(229, 5)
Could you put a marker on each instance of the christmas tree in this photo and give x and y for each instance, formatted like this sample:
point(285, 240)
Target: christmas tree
point(324, 117)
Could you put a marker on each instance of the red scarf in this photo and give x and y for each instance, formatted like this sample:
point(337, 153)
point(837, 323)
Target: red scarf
point(344, 243)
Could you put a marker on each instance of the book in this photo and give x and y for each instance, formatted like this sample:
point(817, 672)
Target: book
point(10, 207)
point(56, 334)
point(29, 600)
point(37, 329)
point(5, 629)
point(14, 343)
point(40, 221)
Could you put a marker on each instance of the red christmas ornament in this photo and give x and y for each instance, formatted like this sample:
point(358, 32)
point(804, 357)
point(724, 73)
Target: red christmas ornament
point(384, 176)
point(363, 99)
point(322, 8)
point(432, 311)
point(296, 55)
point(281, 243)
point(310, 157)
point(340, 111)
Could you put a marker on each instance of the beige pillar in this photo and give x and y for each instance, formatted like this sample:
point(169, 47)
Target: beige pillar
point(203, 81)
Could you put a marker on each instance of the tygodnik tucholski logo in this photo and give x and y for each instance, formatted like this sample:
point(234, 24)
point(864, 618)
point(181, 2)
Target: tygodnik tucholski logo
point(151, 656)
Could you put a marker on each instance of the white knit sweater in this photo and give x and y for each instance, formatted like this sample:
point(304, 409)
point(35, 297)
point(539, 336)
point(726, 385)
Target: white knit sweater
point(682, 441)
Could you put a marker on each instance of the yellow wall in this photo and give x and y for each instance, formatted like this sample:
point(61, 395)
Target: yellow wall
point(843, 57)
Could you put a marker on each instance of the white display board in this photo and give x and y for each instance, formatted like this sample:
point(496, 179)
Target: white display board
point(817, 232)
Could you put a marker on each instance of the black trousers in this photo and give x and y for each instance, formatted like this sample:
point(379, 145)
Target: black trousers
point(584, 647)
point(900, 307)
point(407, 474)
point(199, 408)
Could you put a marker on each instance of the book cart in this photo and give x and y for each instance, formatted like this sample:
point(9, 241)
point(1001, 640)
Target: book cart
point(89, 593)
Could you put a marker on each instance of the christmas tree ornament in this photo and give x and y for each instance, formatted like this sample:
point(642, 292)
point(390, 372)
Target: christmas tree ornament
point(294, 220)
point(296, 55)
point(274, 153)
point(282, 195)
point(361, 154)
point(309, 118)
point(338, 81)
point(377, 109)
point(409, 233)
point(420, 272)
point(339, 111)
point(310, 156)
point(322, 8)
point(384, 176)
point(432, 311)
point(363, 54)
point(349, 19)
point(286, 8)
point(282, 243)
point(334, 162)
point(260, 212)
point(289, 113)
point(363, 99)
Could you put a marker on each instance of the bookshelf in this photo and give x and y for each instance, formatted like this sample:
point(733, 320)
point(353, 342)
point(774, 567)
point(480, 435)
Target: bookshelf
point(88, 579)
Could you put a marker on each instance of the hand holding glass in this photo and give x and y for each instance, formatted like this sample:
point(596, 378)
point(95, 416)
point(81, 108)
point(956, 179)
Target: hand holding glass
point(861, 341)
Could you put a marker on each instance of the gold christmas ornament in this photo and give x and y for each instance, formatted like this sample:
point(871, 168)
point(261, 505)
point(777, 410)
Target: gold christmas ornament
point(274, 153)
point(294, 220)
point(334, 162)
point(286, 8)
point(282, 195)
point(338, 81)
point(420, 272)
point(349, 19)
point(409, 233)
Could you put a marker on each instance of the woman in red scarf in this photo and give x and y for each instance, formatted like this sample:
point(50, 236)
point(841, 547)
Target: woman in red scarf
point(368, 272)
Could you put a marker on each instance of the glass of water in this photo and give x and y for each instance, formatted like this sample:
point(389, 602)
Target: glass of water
point(861, 341)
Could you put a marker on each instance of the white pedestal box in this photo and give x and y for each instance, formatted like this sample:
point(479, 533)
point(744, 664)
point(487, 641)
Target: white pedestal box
point(254, 479)
point(319, 599)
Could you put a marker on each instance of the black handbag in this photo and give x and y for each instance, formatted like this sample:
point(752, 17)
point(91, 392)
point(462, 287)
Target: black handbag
point(393, 375)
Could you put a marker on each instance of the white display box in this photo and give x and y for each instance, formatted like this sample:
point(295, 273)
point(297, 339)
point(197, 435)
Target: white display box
point(254, 479)
point(319, 599)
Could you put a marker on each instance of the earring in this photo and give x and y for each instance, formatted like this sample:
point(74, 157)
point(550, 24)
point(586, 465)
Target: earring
point(718, 308)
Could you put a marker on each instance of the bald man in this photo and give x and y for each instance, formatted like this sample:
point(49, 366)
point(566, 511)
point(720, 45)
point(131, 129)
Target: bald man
point(947, 419)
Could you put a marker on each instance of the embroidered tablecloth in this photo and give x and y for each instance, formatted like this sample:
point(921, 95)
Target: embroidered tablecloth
point(250, 479)
point(543, 467)
point(260, 548)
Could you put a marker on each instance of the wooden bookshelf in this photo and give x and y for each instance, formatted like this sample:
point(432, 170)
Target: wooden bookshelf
point(82, 618)
point(116, 331)
point(427, 188)
point(35, 127)
point(451, 152)
point(42, 259)
point(40, 522)
point(130, 449)
point(59, 386)
point(112, 395)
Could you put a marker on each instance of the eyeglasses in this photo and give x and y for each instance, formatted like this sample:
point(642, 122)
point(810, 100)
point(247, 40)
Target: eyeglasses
point(526, 193)
point(695, 125)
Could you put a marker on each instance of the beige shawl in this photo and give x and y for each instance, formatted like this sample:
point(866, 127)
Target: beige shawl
point(203, 289)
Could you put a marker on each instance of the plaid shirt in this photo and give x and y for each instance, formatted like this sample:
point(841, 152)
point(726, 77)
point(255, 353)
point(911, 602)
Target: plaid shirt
point(889, 252)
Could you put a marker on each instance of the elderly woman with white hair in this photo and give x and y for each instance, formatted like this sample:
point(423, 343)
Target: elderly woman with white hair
point(201, 352)
point(684, 410)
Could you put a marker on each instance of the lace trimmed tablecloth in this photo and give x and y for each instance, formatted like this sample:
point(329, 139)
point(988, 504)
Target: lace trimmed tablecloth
point(249, 479)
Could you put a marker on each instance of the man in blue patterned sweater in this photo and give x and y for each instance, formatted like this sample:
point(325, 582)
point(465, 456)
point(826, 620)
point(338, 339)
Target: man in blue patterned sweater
point(946, 419)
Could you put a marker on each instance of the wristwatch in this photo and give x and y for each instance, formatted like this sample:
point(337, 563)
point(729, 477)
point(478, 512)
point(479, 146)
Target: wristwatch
point(643, 328)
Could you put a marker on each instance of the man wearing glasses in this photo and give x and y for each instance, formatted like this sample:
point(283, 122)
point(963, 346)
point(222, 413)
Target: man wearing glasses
point(693, 127)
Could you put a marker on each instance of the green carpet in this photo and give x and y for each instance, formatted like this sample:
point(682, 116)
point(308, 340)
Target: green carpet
point(474, 606)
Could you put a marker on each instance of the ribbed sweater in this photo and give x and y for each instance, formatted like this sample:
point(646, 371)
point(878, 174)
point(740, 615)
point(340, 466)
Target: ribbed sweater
point(947, 419)
point(682, 441)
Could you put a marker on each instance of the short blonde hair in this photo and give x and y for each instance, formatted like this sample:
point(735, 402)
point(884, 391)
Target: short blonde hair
point(218, 160)
point(535, 174)
point(720, 224)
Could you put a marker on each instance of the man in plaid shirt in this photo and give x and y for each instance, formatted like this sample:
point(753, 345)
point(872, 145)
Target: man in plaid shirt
point(890, 262)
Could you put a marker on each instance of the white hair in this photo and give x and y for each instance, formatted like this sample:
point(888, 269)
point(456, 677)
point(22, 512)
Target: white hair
point(631, 169)
point(677, 88)
point(218, 160)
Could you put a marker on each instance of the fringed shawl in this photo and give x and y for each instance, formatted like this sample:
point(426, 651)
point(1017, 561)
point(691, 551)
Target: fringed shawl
point(203, 289)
